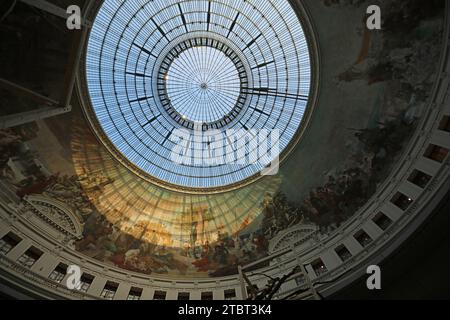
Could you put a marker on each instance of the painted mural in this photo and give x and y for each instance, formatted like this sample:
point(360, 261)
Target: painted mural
point(131, 224)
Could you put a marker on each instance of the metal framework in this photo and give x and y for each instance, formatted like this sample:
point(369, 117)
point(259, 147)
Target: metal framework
point(51, 107)
point(248, 289)
point(212, 96)
point(130, 67)
point(54, 10)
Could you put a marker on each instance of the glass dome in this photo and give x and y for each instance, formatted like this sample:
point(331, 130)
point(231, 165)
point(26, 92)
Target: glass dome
point(154, 68)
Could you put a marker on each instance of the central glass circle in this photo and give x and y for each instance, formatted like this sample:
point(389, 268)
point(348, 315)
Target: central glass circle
point(203, 84)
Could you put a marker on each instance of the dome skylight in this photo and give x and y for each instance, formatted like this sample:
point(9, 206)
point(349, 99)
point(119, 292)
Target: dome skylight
point(155, 67)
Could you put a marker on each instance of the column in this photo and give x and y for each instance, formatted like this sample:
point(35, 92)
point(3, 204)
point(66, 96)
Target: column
point(331, 259)
point(18, 250)
point(411, 190)
point(392, 211)
point(172, 294)
point(45, 264)
point(219, 294)
point(428, 166)
point(239, 294)
point(147, 294)
point(441, 138)
point(122, 291)
point(372, 230)
point(4, 229)
point(196, 295)
point(353, 246)
point(310, 272)
point(97, 286)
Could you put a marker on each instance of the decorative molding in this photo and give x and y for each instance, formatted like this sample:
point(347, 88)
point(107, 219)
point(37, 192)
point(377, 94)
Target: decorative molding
point(56, 214)
point(293, 237)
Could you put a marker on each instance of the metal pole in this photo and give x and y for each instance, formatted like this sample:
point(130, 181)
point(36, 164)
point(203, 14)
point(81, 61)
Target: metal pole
point(70, 77)
point(77, 45)
point(57, 108)
point(242, 282)
point(12, 87)
point(54, 10)
point(308, 280)
point(51, 107)
point(30, 116)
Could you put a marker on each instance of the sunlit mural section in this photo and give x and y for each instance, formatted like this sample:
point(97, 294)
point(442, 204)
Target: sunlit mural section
point(134, 224)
